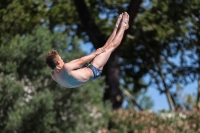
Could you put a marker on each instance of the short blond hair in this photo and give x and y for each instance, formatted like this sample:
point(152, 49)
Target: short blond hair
point(49, 59)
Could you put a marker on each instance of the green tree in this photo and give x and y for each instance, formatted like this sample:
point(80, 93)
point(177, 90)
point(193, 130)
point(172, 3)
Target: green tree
point(165, 47)
point(32, 102)
point(80, 18)
point(159, 31)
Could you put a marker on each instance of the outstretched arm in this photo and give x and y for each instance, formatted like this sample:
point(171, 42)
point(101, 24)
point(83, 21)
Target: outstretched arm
point(77, 63)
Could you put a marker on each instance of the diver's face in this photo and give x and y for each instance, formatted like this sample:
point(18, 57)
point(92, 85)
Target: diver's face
point(60, 59)
point(59, 62)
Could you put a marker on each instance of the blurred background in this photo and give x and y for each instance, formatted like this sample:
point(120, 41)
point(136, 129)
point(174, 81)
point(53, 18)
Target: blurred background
point(151, 83)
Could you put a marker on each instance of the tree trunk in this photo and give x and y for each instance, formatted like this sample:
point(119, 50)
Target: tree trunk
point(198, 53)
point(198, 94)
point(198, 90)
point(166, 89)
point(112, 92)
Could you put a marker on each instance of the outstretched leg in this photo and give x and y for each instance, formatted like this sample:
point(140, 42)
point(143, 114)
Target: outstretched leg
point(100, 60)
point(117, 26)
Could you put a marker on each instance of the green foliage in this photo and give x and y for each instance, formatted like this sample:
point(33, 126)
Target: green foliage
point(34, 113)
point(32, 102)
point(11, 91)
point(165, 45)
point(18, 16)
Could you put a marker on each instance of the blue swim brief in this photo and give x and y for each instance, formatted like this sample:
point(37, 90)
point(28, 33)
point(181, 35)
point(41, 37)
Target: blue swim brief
point(95, 71)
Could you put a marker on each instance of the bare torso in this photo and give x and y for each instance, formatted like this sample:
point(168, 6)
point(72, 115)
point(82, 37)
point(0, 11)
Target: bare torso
point(72, 79)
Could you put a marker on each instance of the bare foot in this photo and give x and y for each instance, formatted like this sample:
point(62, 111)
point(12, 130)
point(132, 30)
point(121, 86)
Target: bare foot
point(118, 23)
point(125, 20)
